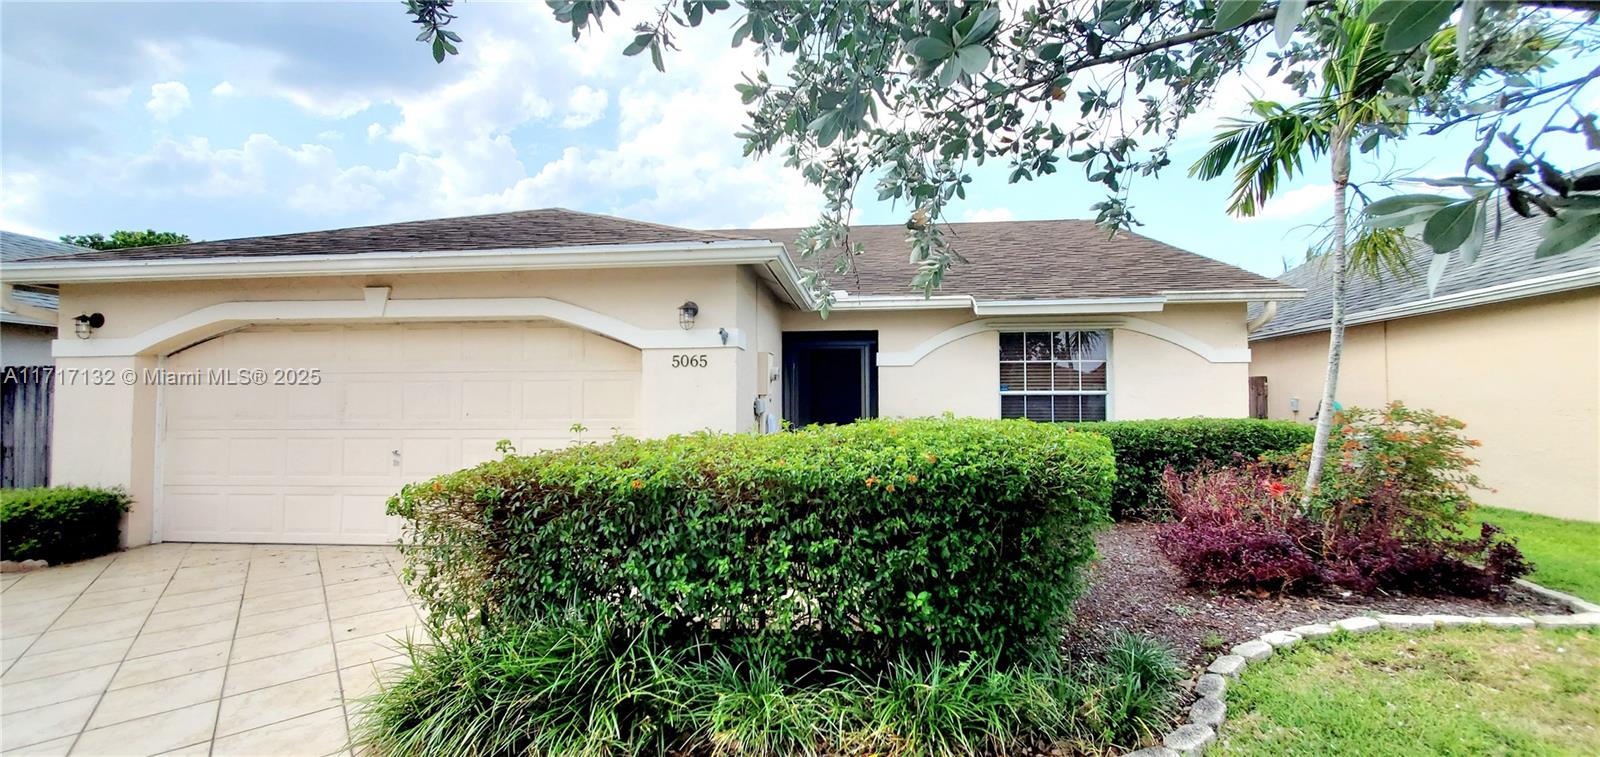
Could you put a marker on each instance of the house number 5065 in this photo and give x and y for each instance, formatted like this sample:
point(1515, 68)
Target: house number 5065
point(689, 361)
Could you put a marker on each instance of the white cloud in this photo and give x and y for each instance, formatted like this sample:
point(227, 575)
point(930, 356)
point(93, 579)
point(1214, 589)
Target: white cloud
point(988, 214)
point(224, 89)
point(374, 131)
point(1293, 203)
point(584, 106)
point(167, 100)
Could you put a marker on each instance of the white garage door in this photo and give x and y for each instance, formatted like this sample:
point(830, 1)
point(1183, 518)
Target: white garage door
point(315, 463)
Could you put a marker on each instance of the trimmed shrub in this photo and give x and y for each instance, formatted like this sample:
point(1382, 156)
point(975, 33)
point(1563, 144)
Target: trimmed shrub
point(60, 524)
point(1390, 515)
point(850, 544)
point(1146, 449)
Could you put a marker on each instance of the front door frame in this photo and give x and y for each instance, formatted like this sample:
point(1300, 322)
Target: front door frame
point(795, 343)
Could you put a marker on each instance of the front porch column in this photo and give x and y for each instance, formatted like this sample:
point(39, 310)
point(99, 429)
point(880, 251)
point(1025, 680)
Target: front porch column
point(104, 433)
point(687, 390)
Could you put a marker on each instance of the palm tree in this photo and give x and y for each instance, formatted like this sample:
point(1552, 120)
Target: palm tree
point(1270, 149)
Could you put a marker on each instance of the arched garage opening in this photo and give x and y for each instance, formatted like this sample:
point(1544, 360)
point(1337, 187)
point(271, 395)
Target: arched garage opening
point(299, 433)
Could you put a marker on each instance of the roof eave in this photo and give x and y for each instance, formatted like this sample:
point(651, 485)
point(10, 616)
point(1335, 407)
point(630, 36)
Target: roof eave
point(1516, 290)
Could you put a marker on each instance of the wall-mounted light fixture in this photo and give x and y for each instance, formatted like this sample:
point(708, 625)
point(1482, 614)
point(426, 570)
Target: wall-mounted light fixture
point(686, 313)
point(85, 324)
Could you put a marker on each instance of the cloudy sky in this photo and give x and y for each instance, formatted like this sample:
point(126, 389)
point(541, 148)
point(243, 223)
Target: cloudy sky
point(222, 120)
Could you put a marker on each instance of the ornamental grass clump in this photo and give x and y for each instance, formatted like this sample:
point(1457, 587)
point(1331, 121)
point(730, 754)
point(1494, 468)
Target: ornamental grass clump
point(1392, 514)
point(853, 545)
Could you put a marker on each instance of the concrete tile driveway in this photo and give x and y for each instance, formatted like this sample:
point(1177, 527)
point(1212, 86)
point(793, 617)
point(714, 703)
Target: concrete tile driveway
point(220, 649)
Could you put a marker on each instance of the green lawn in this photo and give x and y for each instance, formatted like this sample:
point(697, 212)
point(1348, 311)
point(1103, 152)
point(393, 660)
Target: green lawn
point(1566, 552)
point(1459, 692)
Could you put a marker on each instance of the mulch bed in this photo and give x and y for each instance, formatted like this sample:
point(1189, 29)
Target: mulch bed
point(1134, 589)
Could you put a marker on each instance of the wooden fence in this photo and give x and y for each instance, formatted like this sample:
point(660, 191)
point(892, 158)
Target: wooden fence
point(25, 426)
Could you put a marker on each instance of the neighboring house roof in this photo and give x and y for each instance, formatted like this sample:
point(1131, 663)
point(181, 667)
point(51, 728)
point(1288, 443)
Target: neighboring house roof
point(523, 229)
point(16, 247)
point(1505, 270)
point(1032, 260)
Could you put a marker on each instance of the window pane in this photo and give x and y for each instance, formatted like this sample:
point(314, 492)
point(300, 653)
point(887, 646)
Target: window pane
point(1094, 376)
point(1010, 377)
point(1066, 376)
point(1092, 345)
point(1011, 346)
point(1011, 406)
point(1094, 407)
point(1040, 408)
point(1038, 376)
point(1038, 346)
point(1067, 407)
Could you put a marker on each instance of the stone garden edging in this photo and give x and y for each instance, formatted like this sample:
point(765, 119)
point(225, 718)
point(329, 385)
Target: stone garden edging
point(1200, 728)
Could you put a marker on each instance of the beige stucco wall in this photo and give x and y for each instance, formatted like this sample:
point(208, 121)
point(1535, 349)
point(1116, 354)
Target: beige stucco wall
point(1523, 375)
point(1150, 377)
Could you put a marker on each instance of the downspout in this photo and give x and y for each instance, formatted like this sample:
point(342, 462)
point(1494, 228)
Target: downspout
point(1268, 312)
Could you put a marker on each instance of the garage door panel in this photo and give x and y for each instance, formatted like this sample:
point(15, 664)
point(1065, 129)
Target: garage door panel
point(368, 400)
point(550, 400)
point(307, 457)
point(490, 401)
point(317, 463)
point(428, 401)
point(610, 399)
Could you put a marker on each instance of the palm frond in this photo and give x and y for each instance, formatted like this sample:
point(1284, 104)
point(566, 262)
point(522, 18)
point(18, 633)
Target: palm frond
point(1264, 153)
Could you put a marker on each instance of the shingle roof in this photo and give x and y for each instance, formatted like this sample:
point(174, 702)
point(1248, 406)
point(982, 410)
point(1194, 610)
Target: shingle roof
point(1024, 260)
point(1009, 260)
point(548, 227)
point(1504, 260)
point(16, 247)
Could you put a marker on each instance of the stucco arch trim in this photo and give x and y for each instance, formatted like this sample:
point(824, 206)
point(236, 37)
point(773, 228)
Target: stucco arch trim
point(1163, 332)
point(375, 306)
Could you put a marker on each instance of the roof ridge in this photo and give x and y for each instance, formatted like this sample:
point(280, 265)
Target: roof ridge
point(638, 222)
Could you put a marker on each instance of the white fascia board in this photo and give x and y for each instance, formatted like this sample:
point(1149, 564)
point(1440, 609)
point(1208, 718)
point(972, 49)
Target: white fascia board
point(1235, 295)
point(1076, 306)
point(906, 302)
point(1516, 290)
point(428, 261)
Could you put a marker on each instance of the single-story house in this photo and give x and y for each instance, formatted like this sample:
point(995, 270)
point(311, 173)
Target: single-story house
point(1511, 346)
point(279, 389)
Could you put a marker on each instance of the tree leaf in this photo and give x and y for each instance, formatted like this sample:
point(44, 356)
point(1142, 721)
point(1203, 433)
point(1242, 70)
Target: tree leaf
point(1436, 268)
point(1288, 19)
point(1450, 226)
point(1415, 22)
point(930, 49)
point(638, 44)
point(1398, 203)
point(1232, 13)
point(1567, 232)
point(438, 48)
point(1474, 243)
point(973, 59)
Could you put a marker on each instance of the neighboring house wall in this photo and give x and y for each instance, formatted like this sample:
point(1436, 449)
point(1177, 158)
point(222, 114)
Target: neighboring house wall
point(1155, 371)
point(1523, 375)
point(22, 344)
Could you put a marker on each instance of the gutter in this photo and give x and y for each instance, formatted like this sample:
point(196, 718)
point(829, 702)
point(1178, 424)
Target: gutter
point(1268, 312)
point(1516, 290)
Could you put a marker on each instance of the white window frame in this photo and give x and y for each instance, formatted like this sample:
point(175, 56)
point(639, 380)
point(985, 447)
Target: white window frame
point(1111, 373)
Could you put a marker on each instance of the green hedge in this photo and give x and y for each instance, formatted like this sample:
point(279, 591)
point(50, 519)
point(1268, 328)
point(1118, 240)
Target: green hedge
point(854, 544)
point(1144, 449)
point(60, 524)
